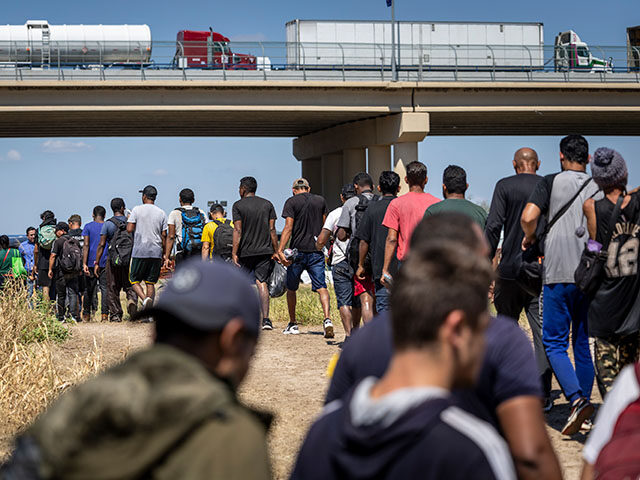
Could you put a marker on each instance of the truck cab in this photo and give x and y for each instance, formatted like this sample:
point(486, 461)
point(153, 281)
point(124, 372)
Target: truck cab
point(209, 49)
point(571, 53)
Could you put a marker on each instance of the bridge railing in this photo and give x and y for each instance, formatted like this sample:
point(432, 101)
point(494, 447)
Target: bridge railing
point(314, 61)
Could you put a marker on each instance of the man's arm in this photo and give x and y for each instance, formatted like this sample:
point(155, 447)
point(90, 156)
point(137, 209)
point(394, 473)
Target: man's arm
point(131, 227)
point(35, 258)
point(52, 259)
point(323, 238)
point(495, 219)
point(170, 240)
point(101, 245)
point(362, 255)
point(390, 247)
point(284, 239)
point(343, 234)
point(237, 235)
point(274, 238)
point(206, 247)
point(589, 209)
point(525, 430)
point(85, 255)
point(167, 254)
point(529, 223)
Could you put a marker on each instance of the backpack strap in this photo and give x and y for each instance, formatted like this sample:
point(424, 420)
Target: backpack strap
point(566, 207)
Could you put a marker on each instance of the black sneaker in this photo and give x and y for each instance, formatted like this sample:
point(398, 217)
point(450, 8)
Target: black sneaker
point(547, 404)
point(266, 324)
point(581, 410)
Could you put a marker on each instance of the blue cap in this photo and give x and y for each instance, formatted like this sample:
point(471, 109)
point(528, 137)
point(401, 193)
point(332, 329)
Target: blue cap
point(207, 295)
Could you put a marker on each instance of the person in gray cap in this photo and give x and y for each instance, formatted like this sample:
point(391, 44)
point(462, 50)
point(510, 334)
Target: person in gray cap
point(169, 411)
point(149, 223)
point(613, 312)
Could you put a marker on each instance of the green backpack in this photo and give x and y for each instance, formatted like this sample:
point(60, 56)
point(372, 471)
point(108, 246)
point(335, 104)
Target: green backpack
point(18, 267)
point(46, 236)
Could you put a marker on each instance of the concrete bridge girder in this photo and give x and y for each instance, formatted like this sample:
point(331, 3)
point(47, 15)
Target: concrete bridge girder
point(403, 131)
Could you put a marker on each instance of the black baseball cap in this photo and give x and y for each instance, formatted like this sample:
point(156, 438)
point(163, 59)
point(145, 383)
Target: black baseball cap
point(207, 295)
point(149, 191)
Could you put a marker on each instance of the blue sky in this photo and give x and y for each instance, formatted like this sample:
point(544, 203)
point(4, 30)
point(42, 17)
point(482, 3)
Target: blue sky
point(71, 175)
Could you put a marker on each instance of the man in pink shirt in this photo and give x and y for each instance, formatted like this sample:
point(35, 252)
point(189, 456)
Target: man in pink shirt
point(403, 214)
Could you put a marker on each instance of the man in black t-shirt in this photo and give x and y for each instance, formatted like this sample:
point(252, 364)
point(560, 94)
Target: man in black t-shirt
point(255, 241)
point(304, 214)
point(510, 196)
point(373, 236)
point(60, 279)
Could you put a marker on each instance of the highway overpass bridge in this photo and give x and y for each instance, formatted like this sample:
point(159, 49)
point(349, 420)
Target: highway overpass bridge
point(336, 125)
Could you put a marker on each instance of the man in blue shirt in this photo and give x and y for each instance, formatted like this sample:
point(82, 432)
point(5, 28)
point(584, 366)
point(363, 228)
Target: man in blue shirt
point(94, 277)
point(26, 250)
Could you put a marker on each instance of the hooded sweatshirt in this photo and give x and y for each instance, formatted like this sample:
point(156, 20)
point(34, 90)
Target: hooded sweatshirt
point(408, 433)
point(160, 415)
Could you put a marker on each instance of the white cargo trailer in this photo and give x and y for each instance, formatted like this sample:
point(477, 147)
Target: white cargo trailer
point(427, 45)
point(39, 43)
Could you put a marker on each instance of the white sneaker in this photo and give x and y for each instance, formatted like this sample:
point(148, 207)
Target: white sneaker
point(292, 329)
point(147, 303)
point(328, 328)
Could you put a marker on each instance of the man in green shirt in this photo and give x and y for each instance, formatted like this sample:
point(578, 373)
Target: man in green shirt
point(454, 186)
point(7, 254)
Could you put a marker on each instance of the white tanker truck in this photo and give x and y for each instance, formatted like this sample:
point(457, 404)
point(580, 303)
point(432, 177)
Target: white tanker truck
point(37, 43)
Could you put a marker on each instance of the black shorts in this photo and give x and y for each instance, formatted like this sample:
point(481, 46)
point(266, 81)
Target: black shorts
point(43, 278)
point(260, 266)
point(145, 270)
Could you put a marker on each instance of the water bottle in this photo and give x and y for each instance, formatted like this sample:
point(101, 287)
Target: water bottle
point(290, 254)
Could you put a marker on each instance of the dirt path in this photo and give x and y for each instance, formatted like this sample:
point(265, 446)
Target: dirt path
point(288, 378)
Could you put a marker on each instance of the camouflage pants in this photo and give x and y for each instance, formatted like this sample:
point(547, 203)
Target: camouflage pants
point(611, 356)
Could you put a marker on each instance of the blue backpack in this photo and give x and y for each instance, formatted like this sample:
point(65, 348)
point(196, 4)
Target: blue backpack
point(193, 222)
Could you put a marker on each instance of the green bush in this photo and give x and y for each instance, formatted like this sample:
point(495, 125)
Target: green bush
point(308, 309)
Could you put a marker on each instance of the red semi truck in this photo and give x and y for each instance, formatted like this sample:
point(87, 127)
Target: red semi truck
point(202, 49)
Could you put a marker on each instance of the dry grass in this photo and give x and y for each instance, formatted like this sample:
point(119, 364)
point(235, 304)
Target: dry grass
point(30, 378)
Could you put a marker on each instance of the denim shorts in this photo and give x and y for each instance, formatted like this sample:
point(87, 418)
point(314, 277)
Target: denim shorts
point(343, 284)
point(313, 263)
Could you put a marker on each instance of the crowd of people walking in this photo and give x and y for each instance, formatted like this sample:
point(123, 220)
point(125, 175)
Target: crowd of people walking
point(431, 383)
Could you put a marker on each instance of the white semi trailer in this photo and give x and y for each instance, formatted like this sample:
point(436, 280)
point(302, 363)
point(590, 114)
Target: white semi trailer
point(428, 45)
point(41, 44)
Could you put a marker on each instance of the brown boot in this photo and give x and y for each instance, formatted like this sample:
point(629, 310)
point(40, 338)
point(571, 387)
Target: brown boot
point(105, 317)
point(86, 317)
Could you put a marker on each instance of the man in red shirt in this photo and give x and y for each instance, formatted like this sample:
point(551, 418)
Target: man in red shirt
point(403, 214)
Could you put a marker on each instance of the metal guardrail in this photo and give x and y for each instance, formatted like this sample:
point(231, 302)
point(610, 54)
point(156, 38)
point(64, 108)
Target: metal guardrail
point(311, 61)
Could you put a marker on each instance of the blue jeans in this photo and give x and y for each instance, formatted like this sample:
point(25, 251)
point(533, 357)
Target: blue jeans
point(31, 285)
point(565, 310)
point(313, 263)
point(343, 284)
point(383, 302)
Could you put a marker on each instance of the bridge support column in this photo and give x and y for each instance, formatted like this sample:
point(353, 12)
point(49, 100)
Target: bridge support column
point(379, 160)
point(332, 178)
point(354, 161)
point(312, 171)
point(403, 154)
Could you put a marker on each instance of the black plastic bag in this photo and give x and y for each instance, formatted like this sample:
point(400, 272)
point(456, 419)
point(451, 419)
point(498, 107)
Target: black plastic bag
point(278, 281)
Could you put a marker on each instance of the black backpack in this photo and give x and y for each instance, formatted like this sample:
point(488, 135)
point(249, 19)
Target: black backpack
point(193, 222)
point(353, 253)
point(223, 239)
point(121, 244)
point(71, 258)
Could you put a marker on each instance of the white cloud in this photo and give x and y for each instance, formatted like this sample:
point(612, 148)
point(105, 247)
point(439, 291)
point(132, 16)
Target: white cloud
point(11, 156)
point(160, 172)
point(14, 156)
point(64, 146)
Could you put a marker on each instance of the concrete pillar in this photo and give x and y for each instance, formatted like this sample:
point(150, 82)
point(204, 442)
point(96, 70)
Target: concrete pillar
point(354, 161)
point(403, 154)
point(379, 160)
point(312, 171)
point(332, 178)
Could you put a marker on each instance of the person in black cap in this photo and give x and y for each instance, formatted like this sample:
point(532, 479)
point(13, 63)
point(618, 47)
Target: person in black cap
point(169, 411)
point(150, 226)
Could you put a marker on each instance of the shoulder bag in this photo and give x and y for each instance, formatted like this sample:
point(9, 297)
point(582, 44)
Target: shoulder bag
point(590, 271)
